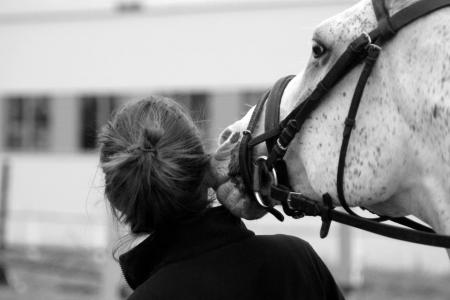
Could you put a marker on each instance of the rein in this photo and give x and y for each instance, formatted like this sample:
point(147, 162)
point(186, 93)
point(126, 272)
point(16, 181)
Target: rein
point(266, 178)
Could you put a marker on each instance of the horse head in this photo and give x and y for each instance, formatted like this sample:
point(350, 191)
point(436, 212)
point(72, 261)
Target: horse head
point(398, 159)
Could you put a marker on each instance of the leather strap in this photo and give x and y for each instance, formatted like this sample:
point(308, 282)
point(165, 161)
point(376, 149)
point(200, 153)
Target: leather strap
point(307, 207)
point(384, 22)
point(273, 104)
point(412, 224)
point(248, 142)
point(379, 7)
point(246, 154)
point(373, 52)
point(275, 132)
point(408, 235)
point(415, 11)
point(245, 162)
point(404, 17)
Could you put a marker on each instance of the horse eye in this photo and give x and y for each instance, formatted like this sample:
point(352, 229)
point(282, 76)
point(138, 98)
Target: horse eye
point(318, 50)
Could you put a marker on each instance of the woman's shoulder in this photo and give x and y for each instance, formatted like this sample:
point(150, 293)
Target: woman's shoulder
point(298, 269)
point(288, 251)
point(282, 242)
point(285, 249)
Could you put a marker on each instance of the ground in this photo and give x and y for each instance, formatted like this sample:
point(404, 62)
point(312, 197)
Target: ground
point(75, 275)
point(380, 284)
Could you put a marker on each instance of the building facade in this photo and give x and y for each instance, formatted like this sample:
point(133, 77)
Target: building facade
point(67, 65)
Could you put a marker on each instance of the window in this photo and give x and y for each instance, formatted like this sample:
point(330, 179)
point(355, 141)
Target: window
point(95, 112)
point(27, 123)
point(197, 105)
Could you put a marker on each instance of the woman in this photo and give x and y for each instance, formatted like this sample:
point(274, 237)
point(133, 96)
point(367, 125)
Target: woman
point(156, 181)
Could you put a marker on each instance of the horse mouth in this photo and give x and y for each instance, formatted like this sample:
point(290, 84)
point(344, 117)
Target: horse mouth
point(233, 194)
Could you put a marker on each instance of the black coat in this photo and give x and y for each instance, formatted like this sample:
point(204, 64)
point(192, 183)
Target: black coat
point(216, 257)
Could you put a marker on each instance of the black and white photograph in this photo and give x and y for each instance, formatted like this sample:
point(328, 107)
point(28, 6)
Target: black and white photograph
point(224, 149)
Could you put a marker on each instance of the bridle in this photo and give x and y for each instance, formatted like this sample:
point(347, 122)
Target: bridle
point(266, 178)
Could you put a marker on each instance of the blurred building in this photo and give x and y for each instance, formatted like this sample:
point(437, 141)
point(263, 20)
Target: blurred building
point(66, 65)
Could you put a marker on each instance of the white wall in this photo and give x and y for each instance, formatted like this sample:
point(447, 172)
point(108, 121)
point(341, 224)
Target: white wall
point(56, 200)
point(224, 109)
point(148, 51)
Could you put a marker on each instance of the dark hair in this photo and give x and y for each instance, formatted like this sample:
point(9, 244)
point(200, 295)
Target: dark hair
point(154, 165)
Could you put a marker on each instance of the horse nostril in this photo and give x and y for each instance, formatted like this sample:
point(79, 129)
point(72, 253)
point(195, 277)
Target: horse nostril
point(224, 136)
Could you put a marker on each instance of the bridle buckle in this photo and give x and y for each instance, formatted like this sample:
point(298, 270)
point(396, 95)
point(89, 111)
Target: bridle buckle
point(302, 205)
point(368, 38)
point(259, 168)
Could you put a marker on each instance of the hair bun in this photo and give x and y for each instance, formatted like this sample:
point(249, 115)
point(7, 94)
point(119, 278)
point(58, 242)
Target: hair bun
point(151, 136)
point(154, 165)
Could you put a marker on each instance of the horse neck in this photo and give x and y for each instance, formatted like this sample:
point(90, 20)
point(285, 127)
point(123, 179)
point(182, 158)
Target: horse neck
point(418, 61)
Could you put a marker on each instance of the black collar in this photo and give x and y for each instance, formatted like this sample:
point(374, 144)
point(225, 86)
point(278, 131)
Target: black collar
point(215, 228)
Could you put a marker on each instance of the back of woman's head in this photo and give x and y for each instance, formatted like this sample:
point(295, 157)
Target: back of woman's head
point(154, 165)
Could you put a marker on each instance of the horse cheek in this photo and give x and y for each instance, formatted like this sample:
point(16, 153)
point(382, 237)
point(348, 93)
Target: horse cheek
point(318, 152)
point(298, 177)
point(374, 159)
point(377, 153)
